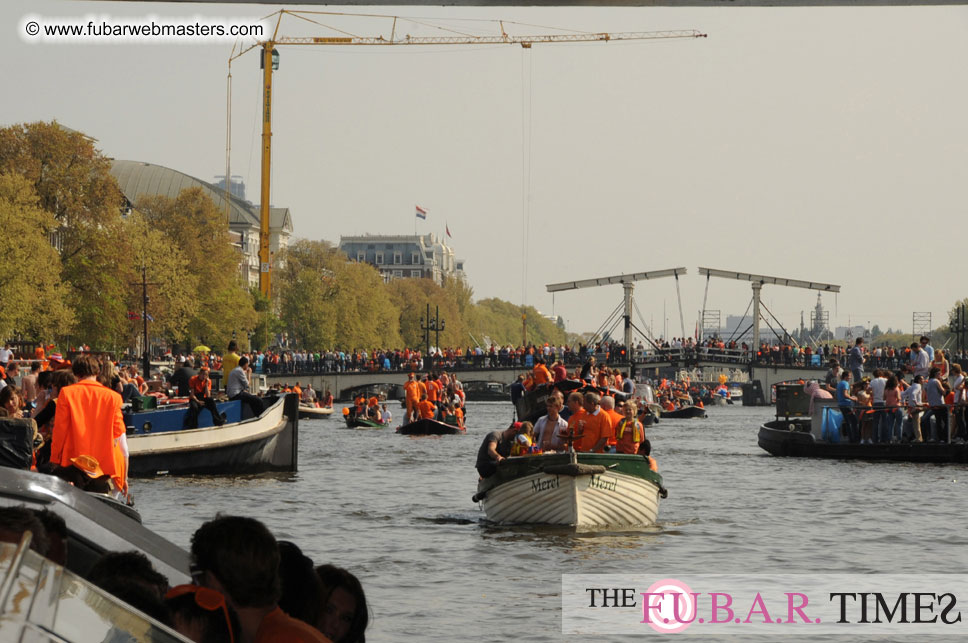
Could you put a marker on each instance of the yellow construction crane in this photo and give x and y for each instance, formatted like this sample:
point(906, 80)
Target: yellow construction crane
point(270, 61)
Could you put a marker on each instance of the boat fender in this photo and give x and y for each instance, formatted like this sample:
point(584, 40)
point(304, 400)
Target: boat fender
point(575, 469)
point(663, 493)
point(791, 427)
point(146, 427)
point(477, 497)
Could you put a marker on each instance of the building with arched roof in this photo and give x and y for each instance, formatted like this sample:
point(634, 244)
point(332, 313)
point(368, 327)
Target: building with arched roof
point(138, 179)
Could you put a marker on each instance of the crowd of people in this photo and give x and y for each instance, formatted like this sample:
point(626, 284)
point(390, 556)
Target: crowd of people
point(887, 408)
point(246, 587)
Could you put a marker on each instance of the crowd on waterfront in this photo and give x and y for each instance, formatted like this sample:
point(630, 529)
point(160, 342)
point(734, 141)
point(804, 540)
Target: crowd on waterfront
point(246, 587)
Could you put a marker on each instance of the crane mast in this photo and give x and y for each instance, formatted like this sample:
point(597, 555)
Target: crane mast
point(268, 48)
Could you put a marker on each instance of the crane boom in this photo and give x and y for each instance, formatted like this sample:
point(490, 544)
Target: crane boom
point(269, 45)
point(505, 39)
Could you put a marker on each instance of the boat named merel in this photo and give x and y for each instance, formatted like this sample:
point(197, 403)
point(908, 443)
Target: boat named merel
point(573, 489)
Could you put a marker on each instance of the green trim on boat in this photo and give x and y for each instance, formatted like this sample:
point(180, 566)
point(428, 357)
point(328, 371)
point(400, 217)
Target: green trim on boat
point(519, 467)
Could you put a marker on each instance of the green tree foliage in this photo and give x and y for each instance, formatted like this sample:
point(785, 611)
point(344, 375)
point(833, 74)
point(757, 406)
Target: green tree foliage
point(413, 296)
point(198, 235)
point(171, 290)
point(326, 301)
point(33, 295)
point(73, 183)
point(501, 321)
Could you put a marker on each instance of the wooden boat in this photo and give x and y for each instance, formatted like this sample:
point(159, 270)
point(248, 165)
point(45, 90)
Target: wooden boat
point(157, 443)
point(354, 422)
point(795, 434)
point(429, 427)
point(574, 489)
point(307, 412)
point(685, 413)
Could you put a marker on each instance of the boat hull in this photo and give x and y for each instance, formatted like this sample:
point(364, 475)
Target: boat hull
point(353, 422)
point(312, 412)
point(265, 443)
point(535, 490)
point(776, 439)
point(429, 427)
point(685, 413)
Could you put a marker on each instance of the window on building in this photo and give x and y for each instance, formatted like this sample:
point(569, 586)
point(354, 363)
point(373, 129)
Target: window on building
point(379, 258)
point(397, 258)
point(361, 256)
point(414, 273)
point(371, 246)
point(398, 273)
point(389, 246)
point(415, 258)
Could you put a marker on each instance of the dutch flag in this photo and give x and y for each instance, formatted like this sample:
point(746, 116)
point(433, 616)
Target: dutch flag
point(421, 213)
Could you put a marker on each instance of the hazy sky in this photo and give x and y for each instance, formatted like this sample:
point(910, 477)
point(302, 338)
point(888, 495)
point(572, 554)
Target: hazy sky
point(824, 144)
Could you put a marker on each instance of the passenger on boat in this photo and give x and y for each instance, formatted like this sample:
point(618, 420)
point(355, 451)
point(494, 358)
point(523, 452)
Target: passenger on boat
point(959, 402)
point(549, 427)
point(521, 445)
point(344, 614)
point(846, 403)
point(495, 447)
point(812, 388)
point(385, 414)
point(309, 395)
point(864, 409)
point(832, 378)
point(328, 399)
point(615, 416)
point(645, 450)
point(237, 388)
point(89, 422)
point(199, 397)
point(893, 416)
point(412, 397)
point(373, 410)
point(595, 426)
point(629, 432)
point(181, 376)
point(919, 363)
point(517, 389)
point(230, 361)
point(239, 557)
point(425, 408)
point(912, 398)
point(540, 375)
point(935, 394)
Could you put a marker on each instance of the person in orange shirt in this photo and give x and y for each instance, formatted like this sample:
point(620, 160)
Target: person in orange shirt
point(576, 415)
point(89, 422)
point(412, 391)
point(426, 409)
point(595, 426)
point(541, 374)
point(608, 407)
point(199, 397)
point(629, 432)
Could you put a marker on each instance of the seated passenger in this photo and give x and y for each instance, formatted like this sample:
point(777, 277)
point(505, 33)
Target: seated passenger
point(202, 615)
point(425, 408)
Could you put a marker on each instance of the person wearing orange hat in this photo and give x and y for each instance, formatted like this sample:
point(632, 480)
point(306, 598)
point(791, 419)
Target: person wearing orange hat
point(89, 422)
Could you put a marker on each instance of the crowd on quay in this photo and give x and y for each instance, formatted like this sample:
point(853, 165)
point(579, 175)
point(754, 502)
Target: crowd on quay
point(887, 408)
point(247, 587)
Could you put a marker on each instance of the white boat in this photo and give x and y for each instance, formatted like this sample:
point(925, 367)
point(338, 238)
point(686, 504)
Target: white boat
point(264, 443)
point(574, 489)
point(307, 412)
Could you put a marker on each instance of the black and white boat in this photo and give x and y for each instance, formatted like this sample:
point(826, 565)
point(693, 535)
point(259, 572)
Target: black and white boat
point(429, 427)
point(157, 443)
point(685, 413)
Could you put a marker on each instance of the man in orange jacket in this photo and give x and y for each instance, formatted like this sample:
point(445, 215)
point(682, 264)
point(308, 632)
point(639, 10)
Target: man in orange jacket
point(89, 422)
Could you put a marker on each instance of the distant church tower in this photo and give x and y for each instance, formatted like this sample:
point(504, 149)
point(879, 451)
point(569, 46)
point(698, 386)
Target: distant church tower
point(819, 319)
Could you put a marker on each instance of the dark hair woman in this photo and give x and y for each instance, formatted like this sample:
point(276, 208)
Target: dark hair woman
point(344, 616)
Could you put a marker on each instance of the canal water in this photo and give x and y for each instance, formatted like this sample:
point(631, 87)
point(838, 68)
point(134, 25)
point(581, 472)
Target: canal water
point(397, 511)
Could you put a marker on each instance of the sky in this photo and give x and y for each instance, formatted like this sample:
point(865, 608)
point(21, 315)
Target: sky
point(822, 144)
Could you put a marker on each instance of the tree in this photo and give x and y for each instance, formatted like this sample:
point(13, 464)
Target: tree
point(72, 181)
point(198, 234)
point(327, 301)
point(34, 296)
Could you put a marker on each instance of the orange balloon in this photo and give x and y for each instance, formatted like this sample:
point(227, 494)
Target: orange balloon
point(346, 411)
